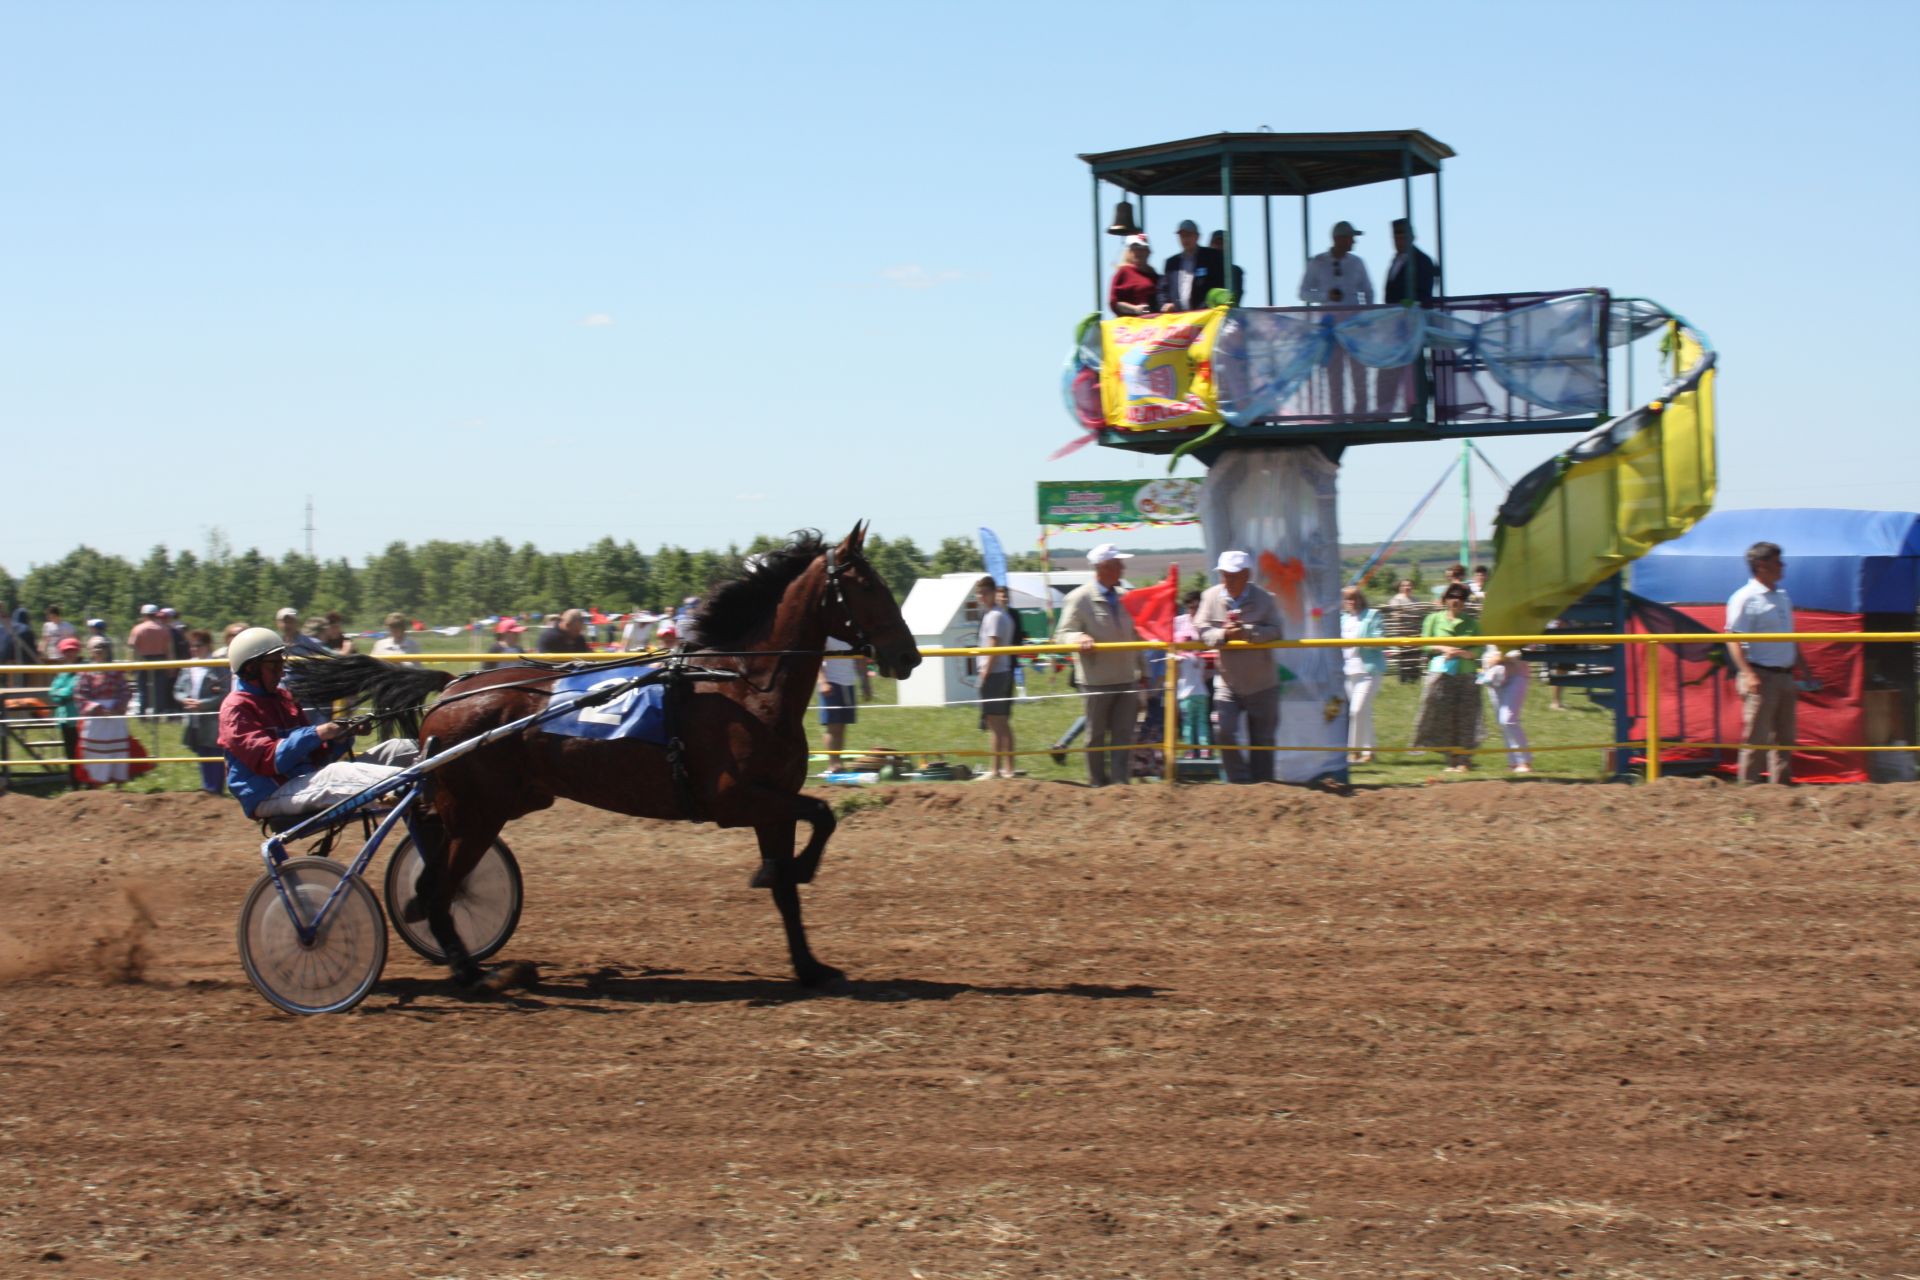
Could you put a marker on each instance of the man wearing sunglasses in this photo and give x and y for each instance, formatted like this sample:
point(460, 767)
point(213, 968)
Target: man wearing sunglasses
point(1337, 278)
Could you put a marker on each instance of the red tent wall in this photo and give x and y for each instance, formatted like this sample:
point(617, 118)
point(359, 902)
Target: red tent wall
point(1709, 710)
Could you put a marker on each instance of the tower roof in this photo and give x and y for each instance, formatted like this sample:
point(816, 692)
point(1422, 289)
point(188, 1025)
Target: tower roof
point(1271, 164)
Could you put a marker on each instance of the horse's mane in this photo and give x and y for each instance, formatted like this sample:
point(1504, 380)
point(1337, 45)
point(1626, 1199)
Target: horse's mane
point(737, 612)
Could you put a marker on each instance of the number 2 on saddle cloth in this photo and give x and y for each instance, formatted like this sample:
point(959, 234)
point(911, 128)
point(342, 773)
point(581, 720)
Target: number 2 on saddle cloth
point(639, 714)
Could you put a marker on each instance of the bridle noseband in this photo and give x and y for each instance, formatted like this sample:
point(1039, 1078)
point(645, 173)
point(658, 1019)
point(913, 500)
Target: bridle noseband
point(837, 594)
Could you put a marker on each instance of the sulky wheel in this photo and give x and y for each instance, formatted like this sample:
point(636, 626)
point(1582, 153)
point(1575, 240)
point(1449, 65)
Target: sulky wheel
point(485, 910)
point(334, 972)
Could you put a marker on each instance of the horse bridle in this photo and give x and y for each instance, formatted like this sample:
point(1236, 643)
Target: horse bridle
point(863, 644)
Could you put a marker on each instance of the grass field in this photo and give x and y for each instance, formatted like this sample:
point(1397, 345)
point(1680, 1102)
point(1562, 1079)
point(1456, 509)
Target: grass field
point(1560, 738)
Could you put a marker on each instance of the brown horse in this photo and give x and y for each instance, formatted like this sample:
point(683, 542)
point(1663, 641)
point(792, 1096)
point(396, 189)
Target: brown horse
point(744, 740)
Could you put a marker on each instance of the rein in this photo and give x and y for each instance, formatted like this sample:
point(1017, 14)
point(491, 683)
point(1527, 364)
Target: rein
point(833, 593)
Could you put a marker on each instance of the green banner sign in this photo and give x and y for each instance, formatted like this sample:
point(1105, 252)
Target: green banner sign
point(1083, 502)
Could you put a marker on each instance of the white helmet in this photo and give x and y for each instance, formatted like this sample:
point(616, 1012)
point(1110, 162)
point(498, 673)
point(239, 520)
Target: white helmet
point(254, 642)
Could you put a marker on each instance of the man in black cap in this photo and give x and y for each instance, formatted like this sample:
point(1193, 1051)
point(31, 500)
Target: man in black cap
point(1218, 243)
point(1424, 273)
point(1191, 272)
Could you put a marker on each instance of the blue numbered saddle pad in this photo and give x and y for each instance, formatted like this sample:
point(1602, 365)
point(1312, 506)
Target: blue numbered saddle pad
point(638, 714)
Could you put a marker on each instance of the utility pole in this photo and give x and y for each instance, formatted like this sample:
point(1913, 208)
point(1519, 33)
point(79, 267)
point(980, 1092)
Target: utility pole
point(309, 526)
point(1466, 505)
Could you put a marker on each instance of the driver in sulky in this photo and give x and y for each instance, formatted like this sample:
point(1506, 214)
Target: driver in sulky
point(279, 764)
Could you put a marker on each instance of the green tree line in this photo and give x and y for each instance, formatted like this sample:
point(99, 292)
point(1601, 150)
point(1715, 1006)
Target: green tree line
point(437, 582)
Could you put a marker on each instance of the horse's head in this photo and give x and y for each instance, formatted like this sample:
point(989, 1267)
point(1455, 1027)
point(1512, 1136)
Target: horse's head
point(861, 611)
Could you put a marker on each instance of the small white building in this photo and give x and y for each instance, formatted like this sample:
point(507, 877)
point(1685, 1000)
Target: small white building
point(941, 613)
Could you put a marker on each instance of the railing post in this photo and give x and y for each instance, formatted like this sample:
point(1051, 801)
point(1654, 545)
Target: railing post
point(1170, 724)
point(1653, 710)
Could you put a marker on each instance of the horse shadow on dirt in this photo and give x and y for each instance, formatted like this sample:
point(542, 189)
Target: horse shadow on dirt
point(610, 989)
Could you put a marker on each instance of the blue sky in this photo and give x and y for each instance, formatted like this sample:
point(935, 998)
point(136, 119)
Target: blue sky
point(687, 273)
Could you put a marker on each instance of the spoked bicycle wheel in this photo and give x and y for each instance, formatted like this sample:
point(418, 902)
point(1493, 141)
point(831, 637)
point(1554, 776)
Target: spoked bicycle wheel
point(334, 972)
point(486, 909)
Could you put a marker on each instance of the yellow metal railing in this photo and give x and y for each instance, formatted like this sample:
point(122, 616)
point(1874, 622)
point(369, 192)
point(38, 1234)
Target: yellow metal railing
point(1170, 744)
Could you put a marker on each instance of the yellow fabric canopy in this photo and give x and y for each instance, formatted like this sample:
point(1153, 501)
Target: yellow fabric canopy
point(1638, 481)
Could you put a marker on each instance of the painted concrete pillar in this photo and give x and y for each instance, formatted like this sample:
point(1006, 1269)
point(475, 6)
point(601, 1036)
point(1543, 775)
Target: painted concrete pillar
point(1280, 503)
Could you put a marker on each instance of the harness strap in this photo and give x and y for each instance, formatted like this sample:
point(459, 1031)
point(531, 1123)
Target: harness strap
point(677, 683)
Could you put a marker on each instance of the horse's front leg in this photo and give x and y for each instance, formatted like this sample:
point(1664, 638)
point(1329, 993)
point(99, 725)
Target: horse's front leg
point(777, 864)
point(817, 814)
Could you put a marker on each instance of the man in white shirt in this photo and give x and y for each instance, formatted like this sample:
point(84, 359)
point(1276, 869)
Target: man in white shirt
point(396, 642)
point(55, 629)
point(1337, 278)
point(1766, 668)
point(637, 634)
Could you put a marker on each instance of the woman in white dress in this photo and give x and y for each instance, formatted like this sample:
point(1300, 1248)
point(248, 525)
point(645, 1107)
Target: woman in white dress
point(102, 697)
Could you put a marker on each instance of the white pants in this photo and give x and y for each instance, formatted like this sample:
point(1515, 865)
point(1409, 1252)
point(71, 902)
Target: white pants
point(341, 780)
point(1508, 699)
point(1360, 691)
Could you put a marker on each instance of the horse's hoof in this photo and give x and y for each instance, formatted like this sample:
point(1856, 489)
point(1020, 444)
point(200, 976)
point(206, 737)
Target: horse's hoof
point(816, 976)
point(468, 976)
point(762, 878)
point(415, 911)
point(520, 973)
point(803, 872)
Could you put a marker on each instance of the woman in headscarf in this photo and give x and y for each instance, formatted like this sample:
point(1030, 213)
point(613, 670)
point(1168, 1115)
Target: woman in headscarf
point(103, 697)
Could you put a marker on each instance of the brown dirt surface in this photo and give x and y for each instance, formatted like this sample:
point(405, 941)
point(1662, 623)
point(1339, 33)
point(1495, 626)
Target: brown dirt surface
point(1484, 1029)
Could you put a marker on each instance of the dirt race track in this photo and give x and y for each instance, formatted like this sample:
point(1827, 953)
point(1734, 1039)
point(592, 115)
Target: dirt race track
point(1468, 1030)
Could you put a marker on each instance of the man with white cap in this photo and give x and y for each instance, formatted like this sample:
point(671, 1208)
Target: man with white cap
point(1235, 609)
point(1092, 615)
point(299, 643)
point(1337, 278)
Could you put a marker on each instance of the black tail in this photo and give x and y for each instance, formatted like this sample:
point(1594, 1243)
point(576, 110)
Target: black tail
point(397, 692)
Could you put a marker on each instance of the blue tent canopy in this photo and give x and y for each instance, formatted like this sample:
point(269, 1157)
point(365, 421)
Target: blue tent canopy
point(1837, 561)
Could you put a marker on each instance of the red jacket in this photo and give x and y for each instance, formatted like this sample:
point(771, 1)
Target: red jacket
point(267, 741)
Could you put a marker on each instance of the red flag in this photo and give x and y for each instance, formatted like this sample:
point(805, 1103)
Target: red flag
point(1153, 607)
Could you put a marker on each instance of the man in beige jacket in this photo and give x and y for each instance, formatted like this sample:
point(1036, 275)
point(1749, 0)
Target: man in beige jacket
point(1093, 615)
point(1235, 609)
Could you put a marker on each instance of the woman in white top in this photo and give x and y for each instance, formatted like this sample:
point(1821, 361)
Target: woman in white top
point(1364, 667)
point(1506, 676)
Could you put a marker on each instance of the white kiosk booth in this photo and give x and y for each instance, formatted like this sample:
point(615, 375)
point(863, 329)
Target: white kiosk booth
point(941, 613)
